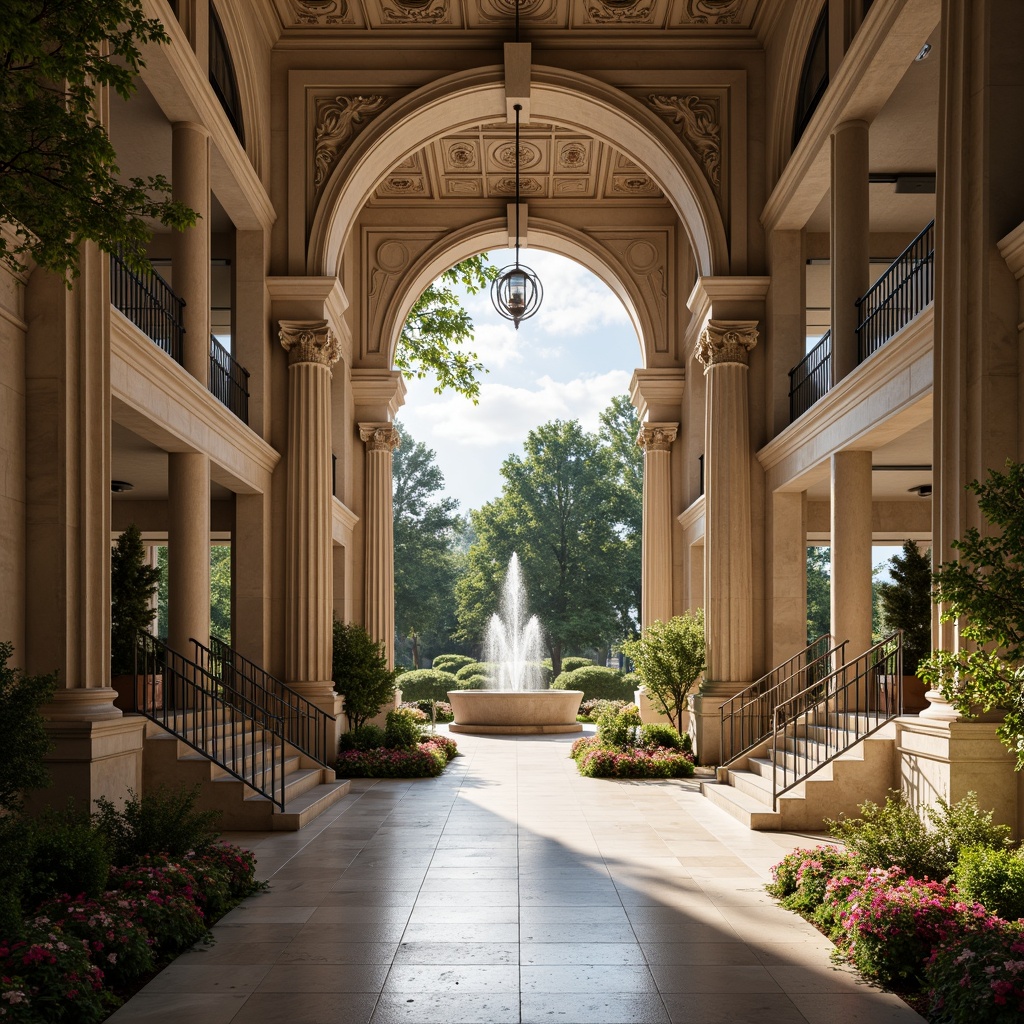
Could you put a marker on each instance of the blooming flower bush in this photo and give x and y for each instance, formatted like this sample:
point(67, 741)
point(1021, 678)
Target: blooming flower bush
point(238, 865)
point(426, 761)
point(445, 744)
point(979, 977)
point(442, 709)
point(800, 879)
point(591, 710)
point(625, 749)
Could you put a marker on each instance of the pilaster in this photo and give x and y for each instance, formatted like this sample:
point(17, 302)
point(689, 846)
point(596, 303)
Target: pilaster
point(851, 550)
point(656, 441)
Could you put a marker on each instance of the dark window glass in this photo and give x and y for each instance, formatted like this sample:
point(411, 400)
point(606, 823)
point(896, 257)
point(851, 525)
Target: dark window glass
point(814, 79)
point(222, 76)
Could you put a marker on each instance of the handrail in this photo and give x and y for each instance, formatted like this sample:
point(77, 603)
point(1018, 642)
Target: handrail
point(150, 303)
point(305, 727)
point(229, 380)
point(853, 701)
point(811, 378)
point(746, 717)
point(237, 734)
point(898, 295)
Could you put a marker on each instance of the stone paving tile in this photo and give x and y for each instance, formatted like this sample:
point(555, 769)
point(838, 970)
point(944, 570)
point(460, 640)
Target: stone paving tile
point(512, 891)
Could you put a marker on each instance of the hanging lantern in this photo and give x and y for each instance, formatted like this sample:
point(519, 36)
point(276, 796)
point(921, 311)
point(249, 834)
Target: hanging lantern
point(517, 293)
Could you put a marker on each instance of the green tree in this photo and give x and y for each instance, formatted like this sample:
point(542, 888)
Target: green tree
point(983, 590)
point(819, 589)
point(59, 180)
point(438, 329)
point(558, 513)
point(360, 672)
point(906, 603)
point(220, 592)
point(618, 432)
point(133, 583)
point(424, 529)
point(669, 658)
point(22, 732)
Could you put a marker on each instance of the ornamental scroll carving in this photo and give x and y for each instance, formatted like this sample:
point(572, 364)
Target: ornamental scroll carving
point(698, 123)
point(657, 437)
point(337, 121)
point(309, 341)
point(620, 10)
point(380, 438)
point(724, 342)
point(320, 12)
point(712, 12)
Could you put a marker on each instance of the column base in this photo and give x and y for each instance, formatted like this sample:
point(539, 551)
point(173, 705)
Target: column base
point(706, 719)
point(82, 704)
point(90, 759)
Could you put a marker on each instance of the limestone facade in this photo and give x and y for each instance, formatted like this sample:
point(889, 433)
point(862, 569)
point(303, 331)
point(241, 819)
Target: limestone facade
point(739, 193)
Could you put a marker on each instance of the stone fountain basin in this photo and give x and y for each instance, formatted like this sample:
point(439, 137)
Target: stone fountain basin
point(515, 712)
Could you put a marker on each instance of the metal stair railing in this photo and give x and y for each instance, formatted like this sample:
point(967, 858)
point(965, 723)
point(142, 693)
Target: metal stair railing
point(746, 718)
point(244, 739)
point(851, 702)
point(306, 727)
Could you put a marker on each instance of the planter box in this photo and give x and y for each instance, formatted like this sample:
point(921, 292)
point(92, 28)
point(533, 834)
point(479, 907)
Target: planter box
point(126, 696)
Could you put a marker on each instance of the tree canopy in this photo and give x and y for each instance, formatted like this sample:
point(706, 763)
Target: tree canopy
point(59, 180)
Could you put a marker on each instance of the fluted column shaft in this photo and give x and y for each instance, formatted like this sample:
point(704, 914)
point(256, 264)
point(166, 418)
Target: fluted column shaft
point(188, 550)
point(656, 441)
point(851, 551)
point(850, 239)
point(381, 440)
point(728, 562)
point(312, 350)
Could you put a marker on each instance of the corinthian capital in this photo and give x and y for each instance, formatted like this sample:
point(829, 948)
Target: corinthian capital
point(309, 341)
point(379, 437)
point(657, 437)
point(726, 341)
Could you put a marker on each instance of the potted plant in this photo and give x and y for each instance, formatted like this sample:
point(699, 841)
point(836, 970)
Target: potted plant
point(907, 605)
point(133, 583)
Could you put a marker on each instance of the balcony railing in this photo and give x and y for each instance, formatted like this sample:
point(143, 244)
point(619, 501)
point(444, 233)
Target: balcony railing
point(148, 301)
point(898, 295)
point(229, 380)
point(811, 378)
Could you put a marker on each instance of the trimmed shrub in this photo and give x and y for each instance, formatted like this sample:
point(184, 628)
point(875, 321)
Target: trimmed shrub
point(68, 855)
point(442, 710)
point(994, 878)
point(451, 663)
point(572, 663)
point(658, 763)
point(591, 710)
point(596, 682)
point(238, 865)
point(364, 738)
point(800, 879)
point(657, 735)
point(402, 728)
point(360, 673)
point(475, 670)
point(426, 684)
point(445, 744)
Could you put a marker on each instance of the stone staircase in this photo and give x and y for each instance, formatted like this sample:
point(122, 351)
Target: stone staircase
point(308, 787)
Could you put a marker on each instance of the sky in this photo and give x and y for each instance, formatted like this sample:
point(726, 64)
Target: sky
point(567, 362)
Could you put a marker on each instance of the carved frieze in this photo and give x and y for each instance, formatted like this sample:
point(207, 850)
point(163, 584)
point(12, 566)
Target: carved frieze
point(725, 341)
point(309, 341)
point(321, 12)
point(620, 11)
point(657, 437)
point(507, 186)
point(379, 438)
point(415, 12)
point(712, 12)
point(337, 121)
point(697, 122)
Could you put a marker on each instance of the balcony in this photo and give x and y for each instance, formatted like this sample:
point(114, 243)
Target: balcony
point(149, 302)
point(892, 302)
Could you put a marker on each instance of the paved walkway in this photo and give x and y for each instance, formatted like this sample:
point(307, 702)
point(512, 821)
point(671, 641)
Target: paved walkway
point(512, 890)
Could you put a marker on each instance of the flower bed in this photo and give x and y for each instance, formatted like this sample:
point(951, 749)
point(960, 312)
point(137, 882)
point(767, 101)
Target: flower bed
point(659, 763)
point(442, 709)
point(624, 748)
point(427, 760)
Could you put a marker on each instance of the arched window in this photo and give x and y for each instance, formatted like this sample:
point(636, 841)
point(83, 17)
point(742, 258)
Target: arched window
point(814, 78)
point(222, 76)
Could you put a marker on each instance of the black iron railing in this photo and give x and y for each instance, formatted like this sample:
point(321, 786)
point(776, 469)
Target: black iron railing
point(229, 380)
point(898, 295)
point(148, 301)
point(811, 378)
point(232, 730)
point(825, 720)
point(304, 726)
point(748, 717)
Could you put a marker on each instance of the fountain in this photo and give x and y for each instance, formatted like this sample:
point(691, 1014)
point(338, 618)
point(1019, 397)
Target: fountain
point(519, 703)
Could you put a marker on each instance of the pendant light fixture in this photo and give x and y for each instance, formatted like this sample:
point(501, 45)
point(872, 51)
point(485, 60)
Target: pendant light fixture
point(517, 292)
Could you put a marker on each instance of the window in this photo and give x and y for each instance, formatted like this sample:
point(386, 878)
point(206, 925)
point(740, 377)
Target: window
point(222, 76)
point(814, 79)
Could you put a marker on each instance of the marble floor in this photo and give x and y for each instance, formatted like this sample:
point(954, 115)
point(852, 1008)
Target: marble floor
point(512, 890)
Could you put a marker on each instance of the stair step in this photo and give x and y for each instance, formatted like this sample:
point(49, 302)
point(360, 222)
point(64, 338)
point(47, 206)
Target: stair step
point(746, 809)
point(303, 808)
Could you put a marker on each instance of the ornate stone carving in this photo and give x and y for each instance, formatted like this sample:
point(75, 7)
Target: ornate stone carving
point(402, 186)
point(337, 122)
point(573, 157)
point(657, 437)
point(309, 341)
point(724, 341)
point(380, 438)
point(696, 121)
point(415, 12)
point(505, 154)
point(321, 12)
point(712, 12)
point(462, 156)
point(527, 187)
point(620, 10)
point(634, 185)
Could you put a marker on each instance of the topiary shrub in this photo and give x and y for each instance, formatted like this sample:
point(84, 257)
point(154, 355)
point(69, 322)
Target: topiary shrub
point(402, 728)
point(451, 663)
point(993, 878)
point(658, 735)
point(366, 737)
point(477, 676)
point(426, 684)
point(596, 682)
point(360, 672)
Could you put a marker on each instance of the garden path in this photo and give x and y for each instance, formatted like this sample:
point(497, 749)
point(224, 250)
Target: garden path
point(513, 890)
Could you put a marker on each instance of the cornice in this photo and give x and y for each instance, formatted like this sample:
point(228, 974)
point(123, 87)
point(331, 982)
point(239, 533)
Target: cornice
point(1011, 248)
point(343, 521)
point(690, 517)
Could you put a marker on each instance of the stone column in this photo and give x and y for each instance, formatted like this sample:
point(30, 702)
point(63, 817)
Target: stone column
point(788, 574)
point(188, 550)
point(850, 238)
point(851, 551)
point(312, 350)
point(723, 350)
point(190, 250)
point(381, 440)
point(656, 441)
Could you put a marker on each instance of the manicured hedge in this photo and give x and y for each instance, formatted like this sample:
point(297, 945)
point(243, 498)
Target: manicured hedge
point(426, 684)
point(597, 683)
point(451, 663)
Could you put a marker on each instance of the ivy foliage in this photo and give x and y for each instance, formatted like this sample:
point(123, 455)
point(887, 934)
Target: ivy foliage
point(59, 180)
point(23, 736)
